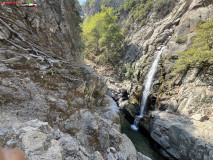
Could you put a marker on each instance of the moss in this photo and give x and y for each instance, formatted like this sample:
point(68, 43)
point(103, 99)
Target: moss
point(134, 101)
point(50, 72)
point(86, 90)
point(160, 95)
point(69, 102)
point(10, 62)
point(75, 72)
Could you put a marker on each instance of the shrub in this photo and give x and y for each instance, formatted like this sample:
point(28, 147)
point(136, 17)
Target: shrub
point(129, 72)
point(161, 4)
point(69, 102)
point(10, 62)
point(141, 11)
point(199, 22)
point(107, 57)
point(50, 72)
point(201, 52)
point(181, 40)
point(75, 72)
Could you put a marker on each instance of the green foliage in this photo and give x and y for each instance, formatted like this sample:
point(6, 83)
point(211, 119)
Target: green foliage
point(128, 70)
point(148, 53)
point(171, 57)
point(134, 101)
point(201, 52)
point(75, 72)
point(199, 22)
point(86, 90)
point(142, 10)
point(107, 57)
point(10, 62)
point(161, 4)
point(91, 3)
point(50, 72)
point(102, 36)
point(181, 40)
point(129, 4)
point(160, 95)
point(127, 27)
point(96, 94)
point(138, 9)
point(80, 46)
point(69, 102)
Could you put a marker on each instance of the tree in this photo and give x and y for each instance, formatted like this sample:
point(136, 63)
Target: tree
point(102, 36)
point(201, 52)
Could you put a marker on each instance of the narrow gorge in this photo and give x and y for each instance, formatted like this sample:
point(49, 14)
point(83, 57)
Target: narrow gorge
point(179, 103)
point(107, 79)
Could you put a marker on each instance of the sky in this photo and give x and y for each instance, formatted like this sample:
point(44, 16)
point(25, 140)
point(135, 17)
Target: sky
point(81, 1)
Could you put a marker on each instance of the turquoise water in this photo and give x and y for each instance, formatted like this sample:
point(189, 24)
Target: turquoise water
point(141, 142)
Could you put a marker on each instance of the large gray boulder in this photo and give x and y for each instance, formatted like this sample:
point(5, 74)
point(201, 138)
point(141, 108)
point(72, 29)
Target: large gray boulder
point(39, 141)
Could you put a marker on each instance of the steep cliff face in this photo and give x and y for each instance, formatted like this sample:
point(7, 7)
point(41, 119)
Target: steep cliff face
point(90, 7)
point(183, 121)
point(52, 106)
point(189, 95)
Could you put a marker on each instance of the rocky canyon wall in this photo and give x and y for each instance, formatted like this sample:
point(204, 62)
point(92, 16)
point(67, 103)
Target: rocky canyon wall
point(183, 103)
point(52, 106)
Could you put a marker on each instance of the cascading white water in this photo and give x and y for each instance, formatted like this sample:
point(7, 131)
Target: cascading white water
point(148, 86)
point(148, 81)
point(135, 125)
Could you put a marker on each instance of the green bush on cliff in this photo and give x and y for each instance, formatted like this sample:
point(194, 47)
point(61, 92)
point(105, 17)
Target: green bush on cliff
point(181, 40)
point(129, 4)
point(129, 71)
point(161, 4)
point(142, 10)
point(102, 36)
point(201, 52)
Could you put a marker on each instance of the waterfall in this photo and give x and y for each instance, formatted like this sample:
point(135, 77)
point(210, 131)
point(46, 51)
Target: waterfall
point(135, 126)
point(148, 86)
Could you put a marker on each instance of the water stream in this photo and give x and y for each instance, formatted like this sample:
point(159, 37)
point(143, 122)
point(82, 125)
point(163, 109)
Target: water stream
point(147, 88)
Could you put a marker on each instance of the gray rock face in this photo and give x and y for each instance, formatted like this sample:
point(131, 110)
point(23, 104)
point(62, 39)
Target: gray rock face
point(182, 138)
point(43, 77)
point(57, 23)
point(184, 130)
point(39, 141)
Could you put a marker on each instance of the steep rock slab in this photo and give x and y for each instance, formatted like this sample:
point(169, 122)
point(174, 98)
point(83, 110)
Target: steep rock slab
point(182, 138)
